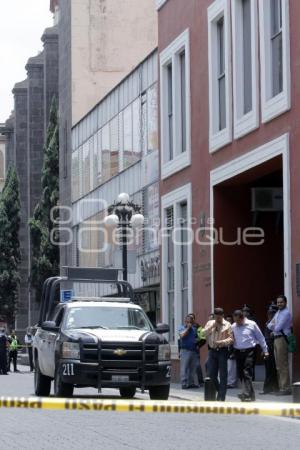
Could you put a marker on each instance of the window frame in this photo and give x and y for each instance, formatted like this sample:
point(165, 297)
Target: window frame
point(219, 138)
point(244, 123)
point(171, 55)
point(175, 199)
point(273, 106)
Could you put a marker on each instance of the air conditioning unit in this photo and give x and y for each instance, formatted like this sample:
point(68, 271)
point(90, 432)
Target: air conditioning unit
point(267, 199)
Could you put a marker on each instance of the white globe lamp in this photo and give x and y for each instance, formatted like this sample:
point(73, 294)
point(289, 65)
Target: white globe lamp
point(111, 221)
point(123, 198)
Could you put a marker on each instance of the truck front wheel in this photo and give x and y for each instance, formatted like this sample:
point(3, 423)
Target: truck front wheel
point(62, 389)
point(159, 392)
point(127, 392)
point(42, 384)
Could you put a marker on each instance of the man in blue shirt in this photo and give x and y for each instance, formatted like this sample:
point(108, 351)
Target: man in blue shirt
point(189, 356)
point(246, 336)
point(281, 328)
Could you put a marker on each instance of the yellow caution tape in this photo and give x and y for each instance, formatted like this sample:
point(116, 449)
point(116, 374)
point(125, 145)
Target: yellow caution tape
point(182, 407)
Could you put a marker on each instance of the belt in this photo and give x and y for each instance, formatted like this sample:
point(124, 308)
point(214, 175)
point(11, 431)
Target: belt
point(244, 350)
point(278, 336)
point(218, 349)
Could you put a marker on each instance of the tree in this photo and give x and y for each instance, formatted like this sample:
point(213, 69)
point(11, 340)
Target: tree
point(10, 256)
point(45, 251)
point(11, 200)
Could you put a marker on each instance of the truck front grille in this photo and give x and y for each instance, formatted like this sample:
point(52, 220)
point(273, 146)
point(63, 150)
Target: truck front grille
point(122, 354)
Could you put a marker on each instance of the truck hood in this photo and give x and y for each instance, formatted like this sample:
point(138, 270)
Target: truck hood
point(108, 335)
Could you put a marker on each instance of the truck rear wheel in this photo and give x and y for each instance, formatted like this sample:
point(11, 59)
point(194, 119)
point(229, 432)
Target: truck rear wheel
point(127, 392)
point(159, 392)
point(42, 383)
point(62, 389)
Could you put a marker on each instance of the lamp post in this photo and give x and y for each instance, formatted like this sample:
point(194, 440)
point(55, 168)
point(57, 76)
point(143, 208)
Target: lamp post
point(124, 214)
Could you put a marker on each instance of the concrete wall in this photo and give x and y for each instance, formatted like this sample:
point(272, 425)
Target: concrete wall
point(65, 115)
point(109, 38)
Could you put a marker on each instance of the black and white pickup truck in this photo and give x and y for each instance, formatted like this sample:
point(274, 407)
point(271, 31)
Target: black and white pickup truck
point(100, 342)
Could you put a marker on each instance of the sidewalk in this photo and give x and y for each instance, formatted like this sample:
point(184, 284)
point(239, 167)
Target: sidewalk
point(232, 394)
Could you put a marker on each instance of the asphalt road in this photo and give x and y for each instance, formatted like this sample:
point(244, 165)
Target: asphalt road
point(72, 430)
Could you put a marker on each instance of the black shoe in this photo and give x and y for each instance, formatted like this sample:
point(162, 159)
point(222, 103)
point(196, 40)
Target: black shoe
point(193, 386)
point(286, 392)
point(230, 386)
point(246, 398)
point(184, 386)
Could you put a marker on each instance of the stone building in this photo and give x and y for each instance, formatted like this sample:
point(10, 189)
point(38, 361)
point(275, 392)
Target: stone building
point(2, 156)
point(26, 131)
point(100, 43)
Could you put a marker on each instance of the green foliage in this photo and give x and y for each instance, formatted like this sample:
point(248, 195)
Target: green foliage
point(45, 254)
point(10, 255)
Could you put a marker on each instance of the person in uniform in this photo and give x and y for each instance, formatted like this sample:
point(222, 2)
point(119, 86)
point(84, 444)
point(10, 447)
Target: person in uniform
point(3, 352)
point(13, 350)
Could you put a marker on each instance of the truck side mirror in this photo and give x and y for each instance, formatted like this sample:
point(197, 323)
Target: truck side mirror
point(162, 328)
point(50, 325)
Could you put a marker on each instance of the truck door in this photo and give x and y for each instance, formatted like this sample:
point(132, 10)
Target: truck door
point(51, 340)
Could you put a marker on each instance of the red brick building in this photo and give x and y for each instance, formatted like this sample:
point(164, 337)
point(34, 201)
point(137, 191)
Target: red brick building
point(230, 115)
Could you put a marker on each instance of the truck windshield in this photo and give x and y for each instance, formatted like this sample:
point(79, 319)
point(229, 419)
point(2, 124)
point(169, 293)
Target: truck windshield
point(106, 317)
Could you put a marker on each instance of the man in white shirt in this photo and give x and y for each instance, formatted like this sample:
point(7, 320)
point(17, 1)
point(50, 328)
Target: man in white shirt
point(281, 326)
point(246, 336)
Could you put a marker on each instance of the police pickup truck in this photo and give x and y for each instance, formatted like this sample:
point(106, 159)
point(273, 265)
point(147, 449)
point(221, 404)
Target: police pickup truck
point(100, 342)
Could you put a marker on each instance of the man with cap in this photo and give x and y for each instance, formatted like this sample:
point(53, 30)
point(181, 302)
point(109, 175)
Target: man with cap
point(219, 337)
point(3, 352)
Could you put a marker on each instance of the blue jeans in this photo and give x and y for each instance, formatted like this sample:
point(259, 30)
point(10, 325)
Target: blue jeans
point(217, 370)
point(189, 362)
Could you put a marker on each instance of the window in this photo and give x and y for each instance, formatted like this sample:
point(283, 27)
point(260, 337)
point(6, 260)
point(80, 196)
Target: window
point(152, 115)
point(276, 47)
point(75, 175)
point(176, 258)
point(184, 259)
point(221, 76)
point(114, 146)
point(220, 110)
point(175, 105)
point(275, 58)
point(245, 64)
point(105, 147)
point(86, 168)
point(170, 154)
point(183, 100)
point(170, 275)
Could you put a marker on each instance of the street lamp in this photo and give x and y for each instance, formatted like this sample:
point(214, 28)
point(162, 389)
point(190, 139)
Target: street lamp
point(124, 214)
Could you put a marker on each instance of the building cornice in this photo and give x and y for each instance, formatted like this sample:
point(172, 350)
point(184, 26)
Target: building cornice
point(50, 34)
point(160, 4)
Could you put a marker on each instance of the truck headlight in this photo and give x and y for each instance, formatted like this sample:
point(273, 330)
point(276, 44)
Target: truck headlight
point(70, 350)
point(164, 352)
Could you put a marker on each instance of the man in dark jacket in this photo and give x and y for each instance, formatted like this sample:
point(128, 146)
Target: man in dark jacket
point(271, 380)
point(3, 352)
